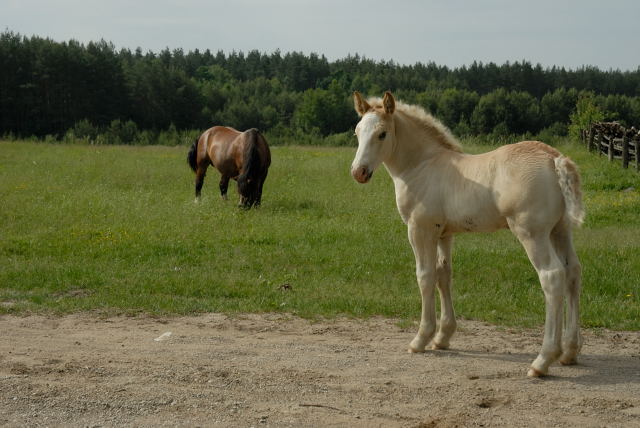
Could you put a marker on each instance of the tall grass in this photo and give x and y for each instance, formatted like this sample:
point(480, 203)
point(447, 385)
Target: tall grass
point(115, 229)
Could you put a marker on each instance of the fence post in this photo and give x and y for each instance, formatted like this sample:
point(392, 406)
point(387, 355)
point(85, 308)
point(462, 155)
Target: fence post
point(599, 142)
point(590, 145)
point(610, 149)
point(625, 152)
point(637, 141)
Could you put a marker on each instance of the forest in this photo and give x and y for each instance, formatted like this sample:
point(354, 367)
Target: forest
point(69, 90)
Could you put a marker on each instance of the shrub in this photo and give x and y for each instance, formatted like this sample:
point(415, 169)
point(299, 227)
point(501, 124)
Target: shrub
point(586, 114)
point(85, 130)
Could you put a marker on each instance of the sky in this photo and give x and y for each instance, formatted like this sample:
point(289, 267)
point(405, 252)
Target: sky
point(570, 34)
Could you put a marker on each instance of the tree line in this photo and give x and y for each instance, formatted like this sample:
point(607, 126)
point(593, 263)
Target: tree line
point(93, 90)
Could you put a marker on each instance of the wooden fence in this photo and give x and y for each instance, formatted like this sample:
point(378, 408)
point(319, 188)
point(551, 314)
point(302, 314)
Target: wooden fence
point(614, 141)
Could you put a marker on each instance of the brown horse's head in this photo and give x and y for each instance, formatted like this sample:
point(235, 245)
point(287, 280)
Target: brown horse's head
point(257, 159)
point(247, 187)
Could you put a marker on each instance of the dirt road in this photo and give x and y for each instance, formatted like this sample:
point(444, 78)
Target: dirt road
point(275, 370)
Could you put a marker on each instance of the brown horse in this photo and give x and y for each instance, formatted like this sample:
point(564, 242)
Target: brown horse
point(242, 156)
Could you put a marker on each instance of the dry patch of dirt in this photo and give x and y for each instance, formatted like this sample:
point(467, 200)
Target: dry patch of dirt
point(276, 370)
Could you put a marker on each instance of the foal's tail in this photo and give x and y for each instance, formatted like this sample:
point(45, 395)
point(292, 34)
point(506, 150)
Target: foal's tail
point(569, 180)
point(192, 156)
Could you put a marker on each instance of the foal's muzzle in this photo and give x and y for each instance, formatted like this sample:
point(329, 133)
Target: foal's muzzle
point(361, 174)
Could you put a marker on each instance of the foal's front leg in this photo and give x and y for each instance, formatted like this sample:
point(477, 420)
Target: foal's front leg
point(424, 244)
point(447, 314)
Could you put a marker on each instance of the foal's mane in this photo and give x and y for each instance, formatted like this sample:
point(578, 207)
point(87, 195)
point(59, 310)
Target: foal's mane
point(435, 129)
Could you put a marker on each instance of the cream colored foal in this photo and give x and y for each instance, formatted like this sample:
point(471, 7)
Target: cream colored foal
point(528, 187)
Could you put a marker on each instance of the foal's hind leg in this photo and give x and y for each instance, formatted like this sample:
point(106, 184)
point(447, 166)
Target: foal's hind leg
point(552, 276)
point(447, 314)
point(224, 186)
point(571, 339)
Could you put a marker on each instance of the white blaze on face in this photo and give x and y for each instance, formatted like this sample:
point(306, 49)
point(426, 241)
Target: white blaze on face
point(370, 147)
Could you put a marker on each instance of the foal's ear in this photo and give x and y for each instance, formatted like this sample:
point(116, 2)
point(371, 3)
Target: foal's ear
point(389, 103)
point(360, 104)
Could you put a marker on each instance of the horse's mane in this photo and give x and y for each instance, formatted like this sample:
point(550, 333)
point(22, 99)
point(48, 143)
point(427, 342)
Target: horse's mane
point(436, 129)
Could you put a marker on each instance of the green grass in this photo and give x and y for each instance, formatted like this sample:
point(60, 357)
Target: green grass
point(115, 230)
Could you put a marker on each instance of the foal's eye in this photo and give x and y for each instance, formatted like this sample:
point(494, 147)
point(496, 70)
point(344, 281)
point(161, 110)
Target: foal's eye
point(383, 135)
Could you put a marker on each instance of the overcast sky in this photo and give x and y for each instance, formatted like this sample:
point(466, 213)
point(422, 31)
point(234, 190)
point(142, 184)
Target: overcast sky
point(568, 33)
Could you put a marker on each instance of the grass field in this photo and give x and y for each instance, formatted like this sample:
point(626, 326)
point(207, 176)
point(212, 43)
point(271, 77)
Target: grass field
point(115, 230)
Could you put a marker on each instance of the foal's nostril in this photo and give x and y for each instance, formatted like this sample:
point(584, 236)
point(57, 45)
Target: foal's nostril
point(361, 174)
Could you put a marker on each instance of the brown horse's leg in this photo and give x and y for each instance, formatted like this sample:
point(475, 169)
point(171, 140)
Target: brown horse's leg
point(258, 198)
point(224, 186)
point(259, 190)
point(200, 174)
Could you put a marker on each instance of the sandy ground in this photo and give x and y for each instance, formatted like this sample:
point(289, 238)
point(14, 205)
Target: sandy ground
point(275, 370)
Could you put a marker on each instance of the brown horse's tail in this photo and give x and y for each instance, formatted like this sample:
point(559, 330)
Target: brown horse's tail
point(192, 156)
point(248, 180)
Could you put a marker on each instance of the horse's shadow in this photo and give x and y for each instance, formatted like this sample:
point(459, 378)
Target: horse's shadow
point(595, 369)
point(295, 206)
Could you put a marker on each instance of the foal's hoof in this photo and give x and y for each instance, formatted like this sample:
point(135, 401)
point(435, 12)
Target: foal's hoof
point(568, 361)
point(535, 373)
point(439, 346)
point(417, 345)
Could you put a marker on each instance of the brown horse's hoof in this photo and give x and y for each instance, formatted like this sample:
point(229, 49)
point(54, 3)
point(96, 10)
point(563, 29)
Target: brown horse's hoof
point(414, 351)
